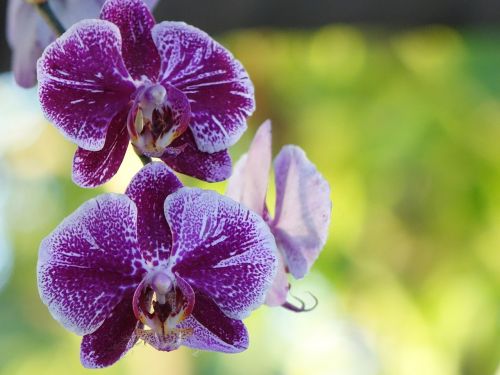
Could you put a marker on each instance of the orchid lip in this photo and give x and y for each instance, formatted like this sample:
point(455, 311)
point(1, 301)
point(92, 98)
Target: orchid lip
point(161, 302)
point(159, 114)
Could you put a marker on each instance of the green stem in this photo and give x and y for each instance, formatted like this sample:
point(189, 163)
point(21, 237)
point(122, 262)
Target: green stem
point(48, 15)
point(144, 159)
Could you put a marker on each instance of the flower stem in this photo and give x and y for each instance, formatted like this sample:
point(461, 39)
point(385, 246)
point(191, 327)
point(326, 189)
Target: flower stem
point(43, 7)
point(145, 159)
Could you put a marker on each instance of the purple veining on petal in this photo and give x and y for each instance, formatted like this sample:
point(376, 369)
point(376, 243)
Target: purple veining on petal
point(212, 330)
point(248, 184)
point(94, 168)
point(221, 248)
point(184, 157)
point(82, 98)
point(135, 22)
point(148, 189)
point(86, 265)
point(189, 295)
point(303, 209)
point(113, 339)
point(217, 86)
point(28, 33)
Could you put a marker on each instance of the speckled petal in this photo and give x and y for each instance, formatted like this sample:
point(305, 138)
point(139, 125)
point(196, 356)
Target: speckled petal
point(94, 168)
point(213, 331)
point(113, 339)
point(184, 157)
point(135, 22)
point(83, 82)
point(148, 189)
point(303, 209)
point(221, 249)
point(248, 184)
point(86, 265)
point(28, 34)
point(217, 86)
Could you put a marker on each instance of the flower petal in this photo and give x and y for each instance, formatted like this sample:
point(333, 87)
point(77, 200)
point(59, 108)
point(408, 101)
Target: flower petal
point(113, 338)
point(303, 209)
point(135, 22)
point(94, 168)
point(217, 86)
point(221, 248)
point(23, 31)
point(212, 330)
point(83, 82)
point(151, 3)
point(148, 189)
point(248, 184)
point(278, 292)
point(184, 157)
point(72, 11)
point(88, 262)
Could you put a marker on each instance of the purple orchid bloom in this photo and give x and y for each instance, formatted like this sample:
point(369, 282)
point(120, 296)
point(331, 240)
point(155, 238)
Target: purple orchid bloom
point(167, 264)
point(169, 88)
point(28, 34)
point(303, 206)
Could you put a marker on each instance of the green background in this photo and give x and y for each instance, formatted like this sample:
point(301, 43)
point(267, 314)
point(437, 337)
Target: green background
point(405, 126)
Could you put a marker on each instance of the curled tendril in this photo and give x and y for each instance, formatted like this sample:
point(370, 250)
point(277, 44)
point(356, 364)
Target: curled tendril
point(302, 308)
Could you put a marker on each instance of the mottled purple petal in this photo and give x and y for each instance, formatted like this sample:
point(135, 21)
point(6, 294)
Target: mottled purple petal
point(94, 168)
point(278, 292)
point(135, 22)
point(303, 209)
point(113, 338)
point(83, 82)
point(217, 86)
point(148, 189)
point(221, 248)
point(184, 157)
point(212, 330)
point(89, 261)
point(248, 184)
point(188, 295)
point(28, 34)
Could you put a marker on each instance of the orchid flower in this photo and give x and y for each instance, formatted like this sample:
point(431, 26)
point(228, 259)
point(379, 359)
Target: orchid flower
point(168, 88)
point(28, 34)
point(303, 206)
point(163, 263)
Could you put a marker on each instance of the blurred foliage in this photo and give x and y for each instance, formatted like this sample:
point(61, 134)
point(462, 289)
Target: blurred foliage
point(406, 128)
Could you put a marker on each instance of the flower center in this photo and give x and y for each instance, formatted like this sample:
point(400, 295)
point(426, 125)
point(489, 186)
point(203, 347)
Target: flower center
point(161, 303)
point(159, 114)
